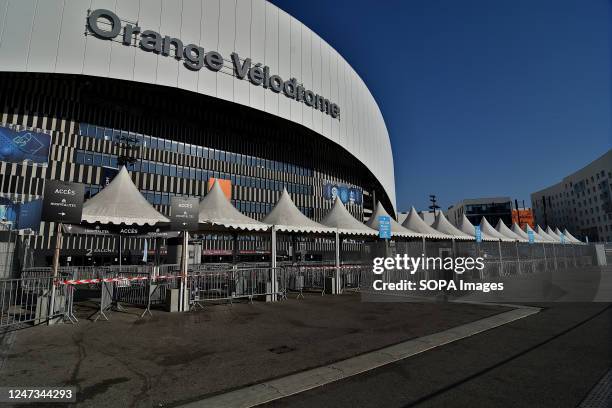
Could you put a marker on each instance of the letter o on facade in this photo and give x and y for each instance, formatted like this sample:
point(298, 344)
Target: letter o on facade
point(309, 98)
point(276, 83)
point(115, 23)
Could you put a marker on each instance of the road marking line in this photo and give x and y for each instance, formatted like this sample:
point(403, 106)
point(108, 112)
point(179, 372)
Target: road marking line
point(306, 380)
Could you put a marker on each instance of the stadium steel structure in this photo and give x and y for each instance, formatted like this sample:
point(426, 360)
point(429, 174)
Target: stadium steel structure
point(185, 91)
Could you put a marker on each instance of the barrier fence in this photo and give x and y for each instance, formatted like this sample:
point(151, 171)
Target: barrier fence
point(26, 301)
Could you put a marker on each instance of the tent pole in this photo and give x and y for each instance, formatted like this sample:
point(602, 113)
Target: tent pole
point(183, 291)
point(56, 256)
point(235, 248)
point(338, 243)
point(273, 263)
point(120, 254)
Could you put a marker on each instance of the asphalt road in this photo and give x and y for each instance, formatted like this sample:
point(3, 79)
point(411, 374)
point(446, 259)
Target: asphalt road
point(551, 359)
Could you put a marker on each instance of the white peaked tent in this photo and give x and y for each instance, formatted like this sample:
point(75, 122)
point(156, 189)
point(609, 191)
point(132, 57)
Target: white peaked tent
point(217, 211)
point(537, 237)
point(507, 232)
point(414, 222)
point(518, 231)
point(396, 229)
point(467, 228)
point(120, 202)
point(545, 237)
point(286, 217)
point(444, 226)
point(571, 237)
point(339, 218)
point(490, 231)
point(553, 234)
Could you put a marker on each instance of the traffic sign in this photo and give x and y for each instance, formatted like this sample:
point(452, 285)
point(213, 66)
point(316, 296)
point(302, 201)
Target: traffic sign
point(384, 226)
point(184, 212)
point(63, 202)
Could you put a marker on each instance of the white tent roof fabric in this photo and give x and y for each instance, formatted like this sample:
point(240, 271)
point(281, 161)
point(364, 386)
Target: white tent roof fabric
point(286, 217)
point(518, 231)
point(467, 228)
point(507, 232)
point(490, 231)
point(414, 222)
point(544, 235)
point(571, 237)
point(396, 228)
point(120, 202)
point(339, 218)
point(537, 237)
point(444, 226)
point(553, 234)
point(215, 209)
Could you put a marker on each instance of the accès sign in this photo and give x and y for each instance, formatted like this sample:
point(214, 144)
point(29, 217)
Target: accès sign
point(184, 213)
point(106, 25)
point(63, 202)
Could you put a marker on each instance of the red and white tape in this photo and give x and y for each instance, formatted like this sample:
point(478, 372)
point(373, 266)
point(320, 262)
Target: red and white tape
point(108, 280)
point(162, 277)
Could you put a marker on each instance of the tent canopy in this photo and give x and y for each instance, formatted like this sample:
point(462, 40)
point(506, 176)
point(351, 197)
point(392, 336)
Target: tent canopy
point(467, 228)
point(338, 217)
point(396, 228)
point(414, 222)
point(537, 237)
point(571, 237)
point(507, 232)
point(490, 231)
point(216, 210)
point(552, 234)
point(286, 217)
point(443, 225)
point(545, 237)
point(518, 231)
point(120, 202)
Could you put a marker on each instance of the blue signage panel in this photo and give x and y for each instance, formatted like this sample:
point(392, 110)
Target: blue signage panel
point(24, 145)
point(478, 233)
point(384, 226)
point(29, 215)
point(350, 195)
point(531, 236)
point(562, 238)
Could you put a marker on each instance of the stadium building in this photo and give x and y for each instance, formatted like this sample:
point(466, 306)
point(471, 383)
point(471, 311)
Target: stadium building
point(182, 92)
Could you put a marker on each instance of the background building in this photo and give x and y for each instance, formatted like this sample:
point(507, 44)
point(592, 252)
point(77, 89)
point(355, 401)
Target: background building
point(582, 201)
point(76, 103)
point(523, 217)
point(493, 208)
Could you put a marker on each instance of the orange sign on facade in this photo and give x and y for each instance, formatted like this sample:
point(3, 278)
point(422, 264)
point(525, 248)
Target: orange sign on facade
point(525, 215)
point(226, 186)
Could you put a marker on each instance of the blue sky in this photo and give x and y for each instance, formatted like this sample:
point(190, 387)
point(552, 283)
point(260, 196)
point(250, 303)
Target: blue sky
point(496, 97)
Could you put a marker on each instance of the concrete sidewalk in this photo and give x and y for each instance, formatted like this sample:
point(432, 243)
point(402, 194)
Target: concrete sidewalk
point(171, 359)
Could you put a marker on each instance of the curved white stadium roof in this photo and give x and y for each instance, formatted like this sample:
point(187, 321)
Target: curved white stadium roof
point(51, 37)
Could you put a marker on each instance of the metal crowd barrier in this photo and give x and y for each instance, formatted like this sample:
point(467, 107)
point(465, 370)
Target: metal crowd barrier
point(309, 278)
point(27, 301)
point(230, 284)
